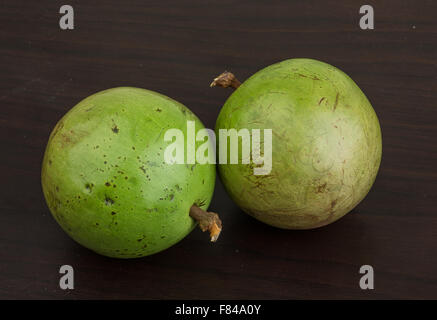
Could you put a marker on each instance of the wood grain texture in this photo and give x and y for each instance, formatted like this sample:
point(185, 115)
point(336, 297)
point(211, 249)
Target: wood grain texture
point(177, 48)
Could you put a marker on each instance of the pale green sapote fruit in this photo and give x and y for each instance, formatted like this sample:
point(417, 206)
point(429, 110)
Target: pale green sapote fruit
point(326, 143)
point(107, 184)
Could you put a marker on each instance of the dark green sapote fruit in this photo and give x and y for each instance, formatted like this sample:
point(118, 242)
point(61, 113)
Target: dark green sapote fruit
point(105, 180)
point(326, 143)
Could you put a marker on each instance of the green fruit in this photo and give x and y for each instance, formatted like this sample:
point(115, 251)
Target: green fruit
point(105, 179)
point(326, 143)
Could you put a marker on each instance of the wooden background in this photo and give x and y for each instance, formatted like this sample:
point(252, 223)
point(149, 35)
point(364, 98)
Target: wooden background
point(176, 48)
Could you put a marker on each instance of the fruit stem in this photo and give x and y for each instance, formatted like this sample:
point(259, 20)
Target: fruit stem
point(225, 80)
point(207, 221)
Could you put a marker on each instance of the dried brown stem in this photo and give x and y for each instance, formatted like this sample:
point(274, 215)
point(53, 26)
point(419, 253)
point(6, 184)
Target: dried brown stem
point(225, 80)
point(207, 221)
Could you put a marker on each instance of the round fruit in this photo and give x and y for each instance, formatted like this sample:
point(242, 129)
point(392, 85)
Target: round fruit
point(106, 182)
point(326, 143)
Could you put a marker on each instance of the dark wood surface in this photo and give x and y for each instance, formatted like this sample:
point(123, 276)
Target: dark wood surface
point(176, 48)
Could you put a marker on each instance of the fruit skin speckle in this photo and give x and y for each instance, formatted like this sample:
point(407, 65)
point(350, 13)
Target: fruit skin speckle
point(326, 144)
point(113, 131)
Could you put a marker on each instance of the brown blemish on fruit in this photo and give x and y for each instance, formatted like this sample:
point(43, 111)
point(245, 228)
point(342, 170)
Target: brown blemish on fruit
point(305, 76)
point(321, 188)
point(336, 101)
point(333, 203)
point(72, 137)
point(65, 138)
